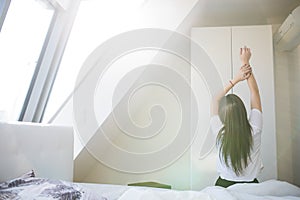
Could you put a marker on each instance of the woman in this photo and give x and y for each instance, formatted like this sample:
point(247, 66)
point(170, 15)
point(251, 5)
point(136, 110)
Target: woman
point(238, 138)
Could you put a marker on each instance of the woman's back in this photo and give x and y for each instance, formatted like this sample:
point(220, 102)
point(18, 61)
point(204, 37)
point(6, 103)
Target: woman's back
point(254, 164)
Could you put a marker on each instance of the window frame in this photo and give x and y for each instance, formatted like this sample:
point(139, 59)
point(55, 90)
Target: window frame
point(49, 60)
point(4, 6)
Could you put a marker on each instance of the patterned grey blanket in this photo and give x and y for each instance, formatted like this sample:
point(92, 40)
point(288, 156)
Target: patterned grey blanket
point(30, 187)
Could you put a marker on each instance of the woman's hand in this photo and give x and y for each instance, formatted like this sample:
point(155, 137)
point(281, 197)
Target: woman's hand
point(243, 74)
point(245, 55)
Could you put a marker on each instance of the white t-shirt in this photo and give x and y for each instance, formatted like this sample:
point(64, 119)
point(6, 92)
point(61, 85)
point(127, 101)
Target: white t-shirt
point(255, 164)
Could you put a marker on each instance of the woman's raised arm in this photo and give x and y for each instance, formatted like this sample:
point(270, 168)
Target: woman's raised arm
point(243, 74)
point(245, 55)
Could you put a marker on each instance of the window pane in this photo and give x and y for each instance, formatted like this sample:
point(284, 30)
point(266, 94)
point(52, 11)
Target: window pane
point(21, 40)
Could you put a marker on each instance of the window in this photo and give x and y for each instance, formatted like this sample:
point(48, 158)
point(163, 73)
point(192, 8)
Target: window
point(21, 40)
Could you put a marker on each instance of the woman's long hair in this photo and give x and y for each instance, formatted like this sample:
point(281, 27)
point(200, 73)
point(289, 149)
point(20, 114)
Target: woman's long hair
point(234, 138)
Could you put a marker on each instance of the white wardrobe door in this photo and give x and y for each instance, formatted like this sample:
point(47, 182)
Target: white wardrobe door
point(259, 39)
point(216, 43)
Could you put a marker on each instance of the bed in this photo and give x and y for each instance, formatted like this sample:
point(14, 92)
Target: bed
point(37, 163)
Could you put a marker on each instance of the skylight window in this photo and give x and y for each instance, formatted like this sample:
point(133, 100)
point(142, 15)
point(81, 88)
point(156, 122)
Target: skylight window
point(21, 41)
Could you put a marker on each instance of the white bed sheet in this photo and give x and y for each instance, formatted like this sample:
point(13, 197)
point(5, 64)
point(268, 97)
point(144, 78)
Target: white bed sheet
point(108, 191)
point(30, 187)
point(270, 190)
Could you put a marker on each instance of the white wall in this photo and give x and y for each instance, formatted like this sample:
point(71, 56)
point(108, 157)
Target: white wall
point(294, 77)
point(89, 169)
point(283, 123)
point(283, 118)
point(287, 84)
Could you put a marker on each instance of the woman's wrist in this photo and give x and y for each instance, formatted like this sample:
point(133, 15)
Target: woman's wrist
point(234, 81)
point(245, 62)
